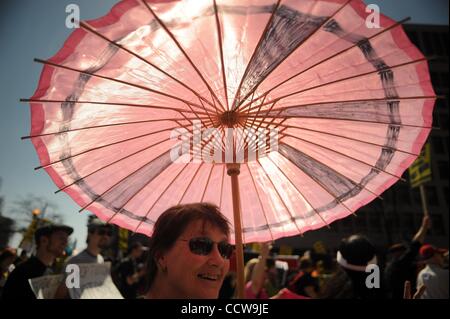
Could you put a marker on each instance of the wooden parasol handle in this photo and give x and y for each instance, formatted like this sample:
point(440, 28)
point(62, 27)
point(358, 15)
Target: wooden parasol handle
point(233, 171)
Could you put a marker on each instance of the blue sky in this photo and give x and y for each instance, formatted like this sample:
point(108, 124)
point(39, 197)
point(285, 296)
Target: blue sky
point(36, 29)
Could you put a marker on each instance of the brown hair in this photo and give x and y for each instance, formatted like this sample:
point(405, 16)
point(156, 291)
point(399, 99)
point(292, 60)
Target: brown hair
point(173, 222)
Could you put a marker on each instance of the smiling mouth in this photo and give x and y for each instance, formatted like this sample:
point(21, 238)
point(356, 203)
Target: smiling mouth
point(208, 277)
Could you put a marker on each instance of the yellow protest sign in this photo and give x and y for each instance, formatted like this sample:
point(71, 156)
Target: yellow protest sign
point(123, 239)
point(286, 250)
point(420, 170)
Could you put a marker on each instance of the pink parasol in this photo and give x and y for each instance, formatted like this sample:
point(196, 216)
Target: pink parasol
point(352, 106)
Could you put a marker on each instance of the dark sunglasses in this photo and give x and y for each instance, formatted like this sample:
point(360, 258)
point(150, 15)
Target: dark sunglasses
point(103, 232)
point(204, 245)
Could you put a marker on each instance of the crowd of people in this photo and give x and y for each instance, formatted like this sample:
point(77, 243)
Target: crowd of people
point(345, 274)
point(189, 257)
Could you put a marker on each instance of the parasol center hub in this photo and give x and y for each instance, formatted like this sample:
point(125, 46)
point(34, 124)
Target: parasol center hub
point(229, 118)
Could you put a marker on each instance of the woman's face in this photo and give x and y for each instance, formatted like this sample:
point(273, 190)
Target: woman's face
point(190, 275)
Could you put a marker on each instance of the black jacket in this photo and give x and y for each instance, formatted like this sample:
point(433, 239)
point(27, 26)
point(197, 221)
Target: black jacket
point(17, 285)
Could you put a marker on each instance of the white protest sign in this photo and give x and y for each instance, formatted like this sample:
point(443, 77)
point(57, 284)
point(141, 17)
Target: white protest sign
point(45, 287)
point(95, 283)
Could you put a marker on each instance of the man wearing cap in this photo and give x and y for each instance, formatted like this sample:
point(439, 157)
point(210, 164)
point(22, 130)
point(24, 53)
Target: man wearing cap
point(99, 238)
point(434, 277)
point(51, 240)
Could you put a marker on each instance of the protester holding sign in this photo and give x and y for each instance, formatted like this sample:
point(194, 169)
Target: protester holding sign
point(93, 281)
point(402, 264)
point(51, 240)
point(99, 237)
point(45, 287)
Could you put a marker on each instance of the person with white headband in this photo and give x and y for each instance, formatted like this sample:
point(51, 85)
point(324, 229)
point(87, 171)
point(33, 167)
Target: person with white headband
point(355, 253)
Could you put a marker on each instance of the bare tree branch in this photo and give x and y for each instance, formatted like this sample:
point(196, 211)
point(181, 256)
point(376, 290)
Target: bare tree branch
point(22, 208)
